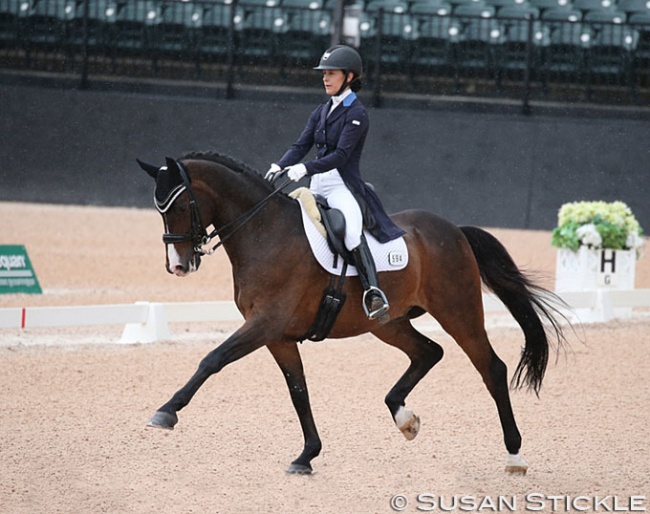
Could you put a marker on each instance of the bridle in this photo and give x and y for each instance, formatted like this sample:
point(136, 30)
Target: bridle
point(198, 234)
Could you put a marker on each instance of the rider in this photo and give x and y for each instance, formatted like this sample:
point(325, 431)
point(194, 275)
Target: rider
point(338, 128)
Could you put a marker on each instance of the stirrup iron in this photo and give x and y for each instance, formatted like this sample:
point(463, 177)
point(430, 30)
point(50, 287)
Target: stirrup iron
point(377, 313)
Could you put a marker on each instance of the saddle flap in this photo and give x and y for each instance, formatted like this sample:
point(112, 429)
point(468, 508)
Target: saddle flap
point(334, 223)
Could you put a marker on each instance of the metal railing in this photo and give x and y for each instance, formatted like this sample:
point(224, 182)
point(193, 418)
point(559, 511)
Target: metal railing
point(474, 49)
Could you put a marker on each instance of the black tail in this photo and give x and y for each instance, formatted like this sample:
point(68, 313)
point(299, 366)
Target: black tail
point(528, 303)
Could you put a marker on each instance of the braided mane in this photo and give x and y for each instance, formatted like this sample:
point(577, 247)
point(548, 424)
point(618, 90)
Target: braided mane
point(222, 159)
point(234, 165)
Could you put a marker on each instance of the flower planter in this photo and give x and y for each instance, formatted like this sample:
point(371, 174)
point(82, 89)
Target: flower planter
point(598, 245)
point(591, 270)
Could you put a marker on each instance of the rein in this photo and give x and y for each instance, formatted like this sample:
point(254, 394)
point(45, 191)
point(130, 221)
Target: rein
point(198, 234)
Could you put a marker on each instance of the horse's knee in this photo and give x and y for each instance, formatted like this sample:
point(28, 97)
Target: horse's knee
point(211, 364)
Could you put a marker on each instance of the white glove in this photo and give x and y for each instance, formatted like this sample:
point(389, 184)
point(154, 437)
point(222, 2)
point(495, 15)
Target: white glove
point(270, 175)
point(296, 172)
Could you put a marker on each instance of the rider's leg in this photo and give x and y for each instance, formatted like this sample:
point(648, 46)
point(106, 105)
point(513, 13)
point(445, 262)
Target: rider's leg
point(374, 300)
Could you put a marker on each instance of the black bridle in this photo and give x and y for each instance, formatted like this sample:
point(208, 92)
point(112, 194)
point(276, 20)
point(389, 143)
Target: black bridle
point(198, 234)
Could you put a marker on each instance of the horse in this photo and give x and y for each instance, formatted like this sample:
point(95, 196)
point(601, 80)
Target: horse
point(277, 287)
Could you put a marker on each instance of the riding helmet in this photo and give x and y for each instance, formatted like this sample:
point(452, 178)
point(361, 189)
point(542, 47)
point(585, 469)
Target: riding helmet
point(341, 57)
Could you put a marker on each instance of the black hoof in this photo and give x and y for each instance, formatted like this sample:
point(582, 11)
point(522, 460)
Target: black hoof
point(299, 469)
point(163, 420)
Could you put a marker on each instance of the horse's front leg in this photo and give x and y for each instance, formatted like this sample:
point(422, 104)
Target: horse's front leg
point(288, 358)
point(247, 339)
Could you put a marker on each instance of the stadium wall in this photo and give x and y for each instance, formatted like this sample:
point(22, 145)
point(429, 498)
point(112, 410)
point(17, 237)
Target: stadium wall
point(484, 164)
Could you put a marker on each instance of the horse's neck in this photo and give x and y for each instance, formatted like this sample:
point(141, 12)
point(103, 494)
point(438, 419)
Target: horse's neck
point(261, 236)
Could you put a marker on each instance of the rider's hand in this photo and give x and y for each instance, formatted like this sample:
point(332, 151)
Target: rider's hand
point(296, 172)
point(273, 170)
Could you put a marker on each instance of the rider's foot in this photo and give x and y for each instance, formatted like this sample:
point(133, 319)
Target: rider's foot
point(377, 307)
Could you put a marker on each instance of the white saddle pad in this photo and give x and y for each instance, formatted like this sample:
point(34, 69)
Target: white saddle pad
point(391, 256)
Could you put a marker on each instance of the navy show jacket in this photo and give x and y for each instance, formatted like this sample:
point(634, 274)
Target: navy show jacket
point(339, 140)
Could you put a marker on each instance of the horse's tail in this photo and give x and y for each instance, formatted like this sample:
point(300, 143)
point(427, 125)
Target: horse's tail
point(529, 304)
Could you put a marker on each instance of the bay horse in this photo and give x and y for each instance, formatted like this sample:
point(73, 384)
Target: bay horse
point(278, 286)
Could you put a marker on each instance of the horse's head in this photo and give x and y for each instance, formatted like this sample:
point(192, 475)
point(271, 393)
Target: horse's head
point(175, 200)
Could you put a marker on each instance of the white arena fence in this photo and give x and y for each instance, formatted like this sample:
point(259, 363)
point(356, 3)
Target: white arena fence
point(146, 322)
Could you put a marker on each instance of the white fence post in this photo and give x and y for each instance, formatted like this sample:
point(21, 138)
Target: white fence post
point(154, 329)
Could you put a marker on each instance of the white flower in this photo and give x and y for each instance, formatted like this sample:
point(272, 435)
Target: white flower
point(589, 236)
point(634, 241)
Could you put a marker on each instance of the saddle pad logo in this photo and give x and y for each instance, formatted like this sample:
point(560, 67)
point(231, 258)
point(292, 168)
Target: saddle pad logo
point(396, 259)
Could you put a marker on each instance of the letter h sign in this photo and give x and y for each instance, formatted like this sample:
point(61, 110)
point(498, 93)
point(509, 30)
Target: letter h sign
point(607, 269)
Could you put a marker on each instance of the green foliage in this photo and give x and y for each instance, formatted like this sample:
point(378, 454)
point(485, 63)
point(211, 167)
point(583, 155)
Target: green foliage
point(566, 237)
point(597, 225)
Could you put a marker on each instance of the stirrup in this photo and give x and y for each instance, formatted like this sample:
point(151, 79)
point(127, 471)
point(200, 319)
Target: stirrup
point(377, 313)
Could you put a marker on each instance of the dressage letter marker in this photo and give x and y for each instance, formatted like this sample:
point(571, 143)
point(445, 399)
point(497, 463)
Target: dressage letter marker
point(16, 272)
point(607, 276)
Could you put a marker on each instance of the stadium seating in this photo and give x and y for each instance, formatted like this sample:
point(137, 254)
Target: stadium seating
point(634, 6)
point(45, 25)
point(519, 29)
point(214, 35)
point(178, 31)
point(476, 53)
point(11, 11)
point(432, 55)
point(259, 36)
point(589, 42)
point(307, 35)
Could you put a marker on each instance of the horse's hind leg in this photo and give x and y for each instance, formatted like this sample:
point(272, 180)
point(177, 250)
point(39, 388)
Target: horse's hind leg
point(289, 361)
point(495, 376)
point(424, 354)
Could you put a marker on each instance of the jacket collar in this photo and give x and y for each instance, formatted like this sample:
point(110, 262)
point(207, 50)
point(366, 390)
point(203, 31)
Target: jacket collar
point(339, 110)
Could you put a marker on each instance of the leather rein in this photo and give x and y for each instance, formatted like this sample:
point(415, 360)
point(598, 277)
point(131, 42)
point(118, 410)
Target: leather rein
point(198, 234)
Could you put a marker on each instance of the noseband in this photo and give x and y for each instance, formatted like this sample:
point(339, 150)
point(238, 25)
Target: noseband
point(197, 234)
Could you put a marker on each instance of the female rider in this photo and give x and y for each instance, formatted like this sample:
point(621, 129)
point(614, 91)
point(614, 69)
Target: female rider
point(338, 128)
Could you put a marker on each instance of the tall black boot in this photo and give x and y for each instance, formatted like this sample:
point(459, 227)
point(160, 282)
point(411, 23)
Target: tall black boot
point(374, 300)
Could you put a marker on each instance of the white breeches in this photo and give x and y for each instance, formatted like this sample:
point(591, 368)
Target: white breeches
point(331, 186)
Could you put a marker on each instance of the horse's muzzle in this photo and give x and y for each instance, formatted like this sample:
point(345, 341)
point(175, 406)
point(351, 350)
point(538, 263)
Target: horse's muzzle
point(183, 267)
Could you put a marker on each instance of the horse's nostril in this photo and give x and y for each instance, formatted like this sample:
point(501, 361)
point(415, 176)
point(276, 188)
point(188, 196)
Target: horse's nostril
point(179, 270)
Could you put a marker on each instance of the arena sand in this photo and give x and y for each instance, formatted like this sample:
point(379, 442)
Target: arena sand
point(75, 403)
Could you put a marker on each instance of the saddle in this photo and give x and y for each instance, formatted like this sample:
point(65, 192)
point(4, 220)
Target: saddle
point(331, 220)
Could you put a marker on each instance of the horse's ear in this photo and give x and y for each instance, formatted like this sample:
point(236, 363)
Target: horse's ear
point(151, 170)
point(171, 164)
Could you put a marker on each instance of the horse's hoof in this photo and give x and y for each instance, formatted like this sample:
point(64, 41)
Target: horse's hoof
point(163, 420)
point(412, 428)
point(515, 465)
point(299, 469)
point(408, 423)
point(516, 470)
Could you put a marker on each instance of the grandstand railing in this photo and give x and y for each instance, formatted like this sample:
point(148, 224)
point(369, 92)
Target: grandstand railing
point(596, 50)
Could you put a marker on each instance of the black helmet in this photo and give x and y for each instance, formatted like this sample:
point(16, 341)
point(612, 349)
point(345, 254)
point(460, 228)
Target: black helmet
point(341, 57)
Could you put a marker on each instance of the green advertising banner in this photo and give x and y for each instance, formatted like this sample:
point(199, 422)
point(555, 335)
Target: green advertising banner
point(16, 273)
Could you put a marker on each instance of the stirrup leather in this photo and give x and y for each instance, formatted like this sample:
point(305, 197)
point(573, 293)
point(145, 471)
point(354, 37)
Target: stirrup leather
point(379, 311)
